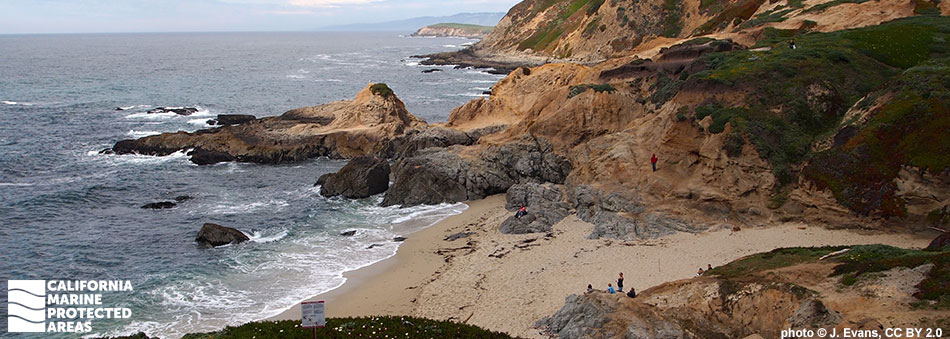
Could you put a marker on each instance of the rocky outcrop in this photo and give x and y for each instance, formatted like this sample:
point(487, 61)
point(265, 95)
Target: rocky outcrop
point(214, 235)
point(343, 129)
point(546, 205)
point(232, 119)
point(621, 215)
point(362, 177)
point(456, 174)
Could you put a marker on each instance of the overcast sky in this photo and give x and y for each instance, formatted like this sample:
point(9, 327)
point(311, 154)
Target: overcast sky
point(85, 16)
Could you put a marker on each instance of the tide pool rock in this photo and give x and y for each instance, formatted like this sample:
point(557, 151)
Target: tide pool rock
point(214, 235)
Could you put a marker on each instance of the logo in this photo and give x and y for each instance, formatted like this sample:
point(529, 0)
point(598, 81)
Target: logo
point(61, 305)
point(26, 310)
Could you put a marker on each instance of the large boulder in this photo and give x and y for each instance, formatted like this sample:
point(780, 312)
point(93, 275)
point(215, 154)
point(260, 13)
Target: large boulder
point(621, 215)
point(457, 174)
point(545, 204)
point(360, 178)
point(214, 235)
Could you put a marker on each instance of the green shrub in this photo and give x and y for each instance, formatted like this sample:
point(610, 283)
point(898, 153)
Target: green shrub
point(599, 88)
point(664, 89)
point(382, 90)
point(366, 327)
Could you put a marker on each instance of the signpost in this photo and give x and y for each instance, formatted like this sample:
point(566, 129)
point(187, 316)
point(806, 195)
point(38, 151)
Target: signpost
point(312, 315)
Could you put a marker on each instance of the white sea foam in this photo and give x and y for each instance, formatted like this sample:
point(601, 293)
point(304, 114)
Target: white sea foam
point(270, 205)
point(450, 46)
point(9, 102)
point(15, 184)
point(328, 80)
point(199, 122)
point(139, 134)
point(137, 159)
point(258, 237)
point(296, 76)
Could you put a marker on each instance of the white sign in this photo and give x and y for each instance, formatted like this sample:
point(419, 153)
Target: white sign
point(313, 314)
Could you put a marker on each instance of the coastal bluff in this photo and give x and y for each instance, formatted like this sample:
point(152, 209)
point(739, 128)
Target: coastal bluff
point(454, 30)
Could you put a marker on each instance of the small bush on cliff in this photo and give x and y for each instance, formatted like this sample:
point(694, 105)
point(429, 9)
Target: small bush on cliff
point(366, 327)
point(599, 88)
point(382, 90)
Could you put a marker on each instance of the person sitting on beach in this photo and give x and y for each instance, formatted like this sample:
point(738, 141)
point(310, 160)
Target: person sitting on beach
point(709, 267)
point(610, 289)
point(632, 293)
point(521, 212)
point(590, 288)
point(700, 272)
point(620, 282)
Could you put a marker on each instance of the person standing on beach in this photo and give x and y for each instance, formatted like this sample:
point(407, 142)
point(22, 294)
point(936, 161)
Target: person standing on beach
point(620, 282)
point(653, 160)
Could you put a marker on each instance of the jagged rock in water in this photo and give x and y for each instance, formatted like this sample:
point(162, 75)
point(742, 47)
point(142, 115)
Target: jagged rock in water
point(177, 110)
point(202, 156)
point(348, 233)
point(160, 205)
point(214, 235)
point(545, 205)
point(360, 178)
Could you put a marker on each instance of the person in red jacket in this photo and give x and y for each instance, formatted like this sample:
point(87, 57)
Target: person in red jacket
point(653, 161)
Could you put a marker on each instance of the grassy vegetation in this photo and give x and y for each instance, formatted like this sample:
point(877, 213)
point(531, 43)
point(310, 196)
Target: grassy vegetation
point(366, 327)
point(599, 88)
point(927, 7)
point(911, 129)
point(854, 265)
point(382, 90)
point(820, 80)
point(467, 27)
point(664, 89)
point(824, 6)
point(542, 38)
point(775, 15)
point(673, 18)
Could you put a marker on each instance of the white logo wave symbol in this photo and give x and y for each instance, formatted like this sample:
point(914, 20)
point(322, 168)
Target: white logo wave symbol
point(26, 308)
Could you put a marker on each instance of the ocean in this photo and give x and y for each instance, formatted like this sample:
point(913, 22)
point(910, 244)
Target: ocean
point(70, 213)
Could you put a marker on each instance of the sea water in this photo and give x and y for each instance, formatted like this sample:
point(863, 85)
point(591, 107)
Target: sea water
point(70, 213)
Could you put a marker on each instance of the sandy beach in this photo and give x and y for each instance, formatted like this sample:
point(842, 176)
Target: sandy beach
point(507, 282)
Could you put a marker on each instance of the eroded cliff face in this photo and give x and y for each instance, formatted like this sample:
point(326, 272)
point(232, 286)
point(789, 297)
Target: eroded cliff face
point(596, 30)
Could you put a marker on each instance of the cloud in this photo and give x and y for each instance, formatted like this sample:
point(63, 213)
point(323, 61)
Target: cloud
point(329, 3)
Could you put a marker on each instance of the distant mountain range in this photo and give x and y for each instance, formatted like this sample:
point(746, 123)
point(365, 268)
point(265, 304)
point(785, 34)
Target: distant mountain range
point(413, 24)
